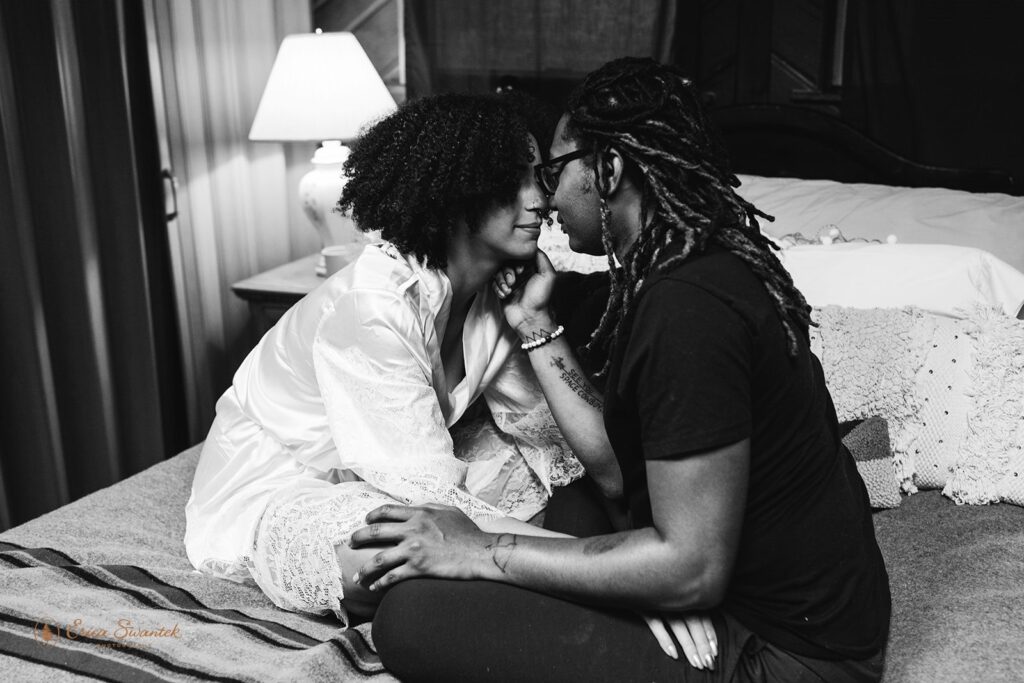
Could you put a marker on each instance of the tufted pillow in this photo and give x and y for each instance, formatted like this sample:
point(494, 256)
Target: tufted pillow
point(942, 384)
point(952, 391)
point(990, 465)
point(870, 359)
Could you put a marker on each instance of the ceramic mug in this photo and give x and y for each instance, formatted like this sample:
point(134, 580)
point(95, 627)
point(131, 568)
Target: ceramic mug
point(337, 256)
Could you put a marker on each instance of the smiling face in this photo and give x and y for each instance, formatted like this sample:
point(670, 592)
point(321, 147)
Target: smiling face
point(576, 198)
point(509, 233)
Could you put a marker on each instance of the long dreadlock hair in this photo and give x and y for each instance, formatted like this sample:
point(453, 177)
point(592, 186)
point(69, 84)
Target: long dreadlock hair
point(650, 113)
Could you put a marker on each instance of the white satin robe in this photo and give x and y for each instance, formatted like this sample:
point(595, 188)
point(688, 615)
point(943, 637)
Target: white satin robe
point(343, 406)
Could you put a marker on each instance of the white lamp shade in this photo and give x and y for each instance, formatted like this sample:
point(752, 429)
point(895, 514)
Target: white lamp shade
point(322, 87)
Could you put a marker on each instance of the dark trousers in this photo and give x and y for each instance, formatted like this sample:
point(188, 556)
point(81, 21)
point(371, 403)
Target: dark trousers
point(438, 630)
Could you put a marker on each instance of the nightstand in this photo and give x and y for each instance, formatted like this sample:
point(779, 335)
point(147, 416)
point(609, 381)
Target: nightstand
point(274, 291)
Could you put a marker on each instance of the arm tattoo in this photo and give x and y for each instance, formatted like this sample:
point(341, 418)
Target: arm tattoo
point(501, 550)
point(602, 544)
point(577, 383)
point(535, 335)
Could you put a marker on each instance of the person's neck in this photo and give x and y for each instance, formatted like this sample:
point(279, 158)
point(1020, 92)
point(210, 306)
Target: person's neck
point(468, 273)
point(624, 222)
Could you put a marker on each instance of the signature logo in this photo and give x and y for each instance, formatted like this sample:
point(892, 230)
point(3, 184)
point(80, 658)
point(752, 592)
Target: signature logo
point(46, 631)
point(122, 633)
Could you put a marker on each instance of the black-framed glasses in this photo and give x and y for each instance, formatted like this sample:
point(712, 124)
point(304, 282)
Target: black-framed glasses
point(550, 171)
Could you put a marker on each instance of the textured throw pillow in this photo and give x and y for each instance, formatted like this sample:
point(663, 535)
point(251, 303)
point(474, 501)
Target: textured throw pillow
point(942, 384)
point(990, 465)
point(952, 391)
point(871, 358)
point(868, 442)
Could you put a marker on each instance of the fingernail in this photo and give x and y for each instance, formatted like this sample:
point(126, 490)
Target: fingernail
point(710, 661)
point(672, 652)
point(714, 648)
point(696, 663)
point(355, 578)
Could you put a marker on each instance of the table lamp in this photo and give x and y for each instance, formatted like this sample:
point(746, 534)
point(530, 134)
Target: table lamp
point(322, 88)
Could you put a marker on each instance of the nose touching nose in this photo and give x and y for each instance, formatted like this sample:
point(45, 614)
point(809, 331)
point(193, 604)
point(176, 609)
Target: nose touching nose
point(540, 203)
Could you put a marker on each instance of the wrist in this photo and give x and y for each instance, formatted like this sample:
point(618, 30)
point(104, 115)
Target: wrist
point(498, 552)
point(535, 325)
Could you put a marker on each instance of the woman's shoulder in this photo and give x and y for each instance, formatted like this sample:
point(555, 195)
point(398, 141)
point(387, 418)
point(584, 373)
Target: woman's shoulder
point(383, 281)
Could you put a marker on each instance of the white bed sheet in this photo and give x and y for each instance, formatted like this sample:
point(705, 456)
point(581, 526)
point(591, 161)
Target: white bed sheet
point(990, 221)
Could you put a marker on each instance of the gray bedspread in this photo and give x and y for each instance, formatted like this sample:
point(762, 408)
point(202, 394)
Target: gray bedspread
point(101, 589)
point(957, 580)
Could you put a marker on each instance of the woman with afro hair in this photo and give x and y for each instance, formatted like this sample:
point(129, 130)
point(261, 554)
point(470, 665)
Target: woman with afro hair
point(365, 392)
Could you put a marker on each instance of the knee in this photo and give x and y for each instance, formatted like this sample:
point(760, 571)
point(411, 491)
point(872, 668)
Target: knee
point(404, 627)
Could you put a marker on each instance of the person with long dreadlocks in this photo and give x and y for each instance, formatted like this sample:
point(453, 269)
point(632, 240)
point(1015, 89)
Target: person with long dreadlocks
point(741, 498)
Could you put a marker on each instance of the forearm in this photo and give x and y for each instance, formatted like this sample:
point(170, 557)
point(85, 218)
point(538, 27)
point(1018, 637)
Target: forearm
point(574, 402)
point(633, 569)
point(511, 525)
point(682, 562)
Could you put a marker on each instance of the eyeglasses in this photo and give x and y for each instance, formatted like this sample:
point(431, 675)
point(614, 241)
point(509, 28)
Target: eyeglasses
point(550, 171)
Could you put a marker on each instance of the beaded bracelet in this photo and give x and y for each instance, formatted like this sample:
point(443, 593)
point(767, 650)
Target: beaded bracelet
point(537, 343)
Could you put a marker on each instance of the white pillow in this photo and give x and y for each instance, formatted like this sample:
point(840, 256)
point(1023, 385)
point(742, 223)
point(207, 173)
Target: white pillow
point(925, 215)
point(938, 278)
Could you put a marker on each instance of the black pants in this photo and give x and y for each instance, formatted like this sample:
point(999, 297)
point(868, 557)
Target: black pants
point(437, 630)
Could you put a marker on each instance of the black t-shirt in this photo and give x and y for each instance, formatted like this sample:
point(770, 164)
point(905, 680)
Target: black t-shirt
point(703, 363)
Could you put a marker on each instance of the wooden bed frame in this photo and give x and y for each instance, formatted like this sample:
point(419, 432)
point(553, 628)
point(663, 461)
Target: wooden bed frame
point(788, 141)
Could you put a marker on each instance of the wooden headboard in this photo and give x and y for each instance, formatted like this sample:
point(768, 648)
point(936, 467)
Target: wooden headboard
point(787, 141)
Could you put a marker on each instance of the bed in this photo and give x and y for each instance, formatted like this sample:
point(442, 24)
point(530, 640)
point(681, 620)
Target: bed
point(101, 588)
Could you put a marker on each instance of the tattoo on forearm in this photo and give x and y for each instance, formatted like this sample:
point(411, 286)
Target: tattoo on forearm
point(578, 383)
point(602, 544)
point(501, 550)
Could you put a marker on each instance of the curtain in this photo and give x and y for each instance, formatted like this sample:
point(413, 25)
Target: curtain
point(120, 326)
point(878, 94)
point(237, 202)
point(88, 356)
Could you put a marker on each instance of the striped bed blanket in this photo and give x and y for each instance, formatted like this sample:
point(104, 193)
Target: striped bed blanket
point(101, 589)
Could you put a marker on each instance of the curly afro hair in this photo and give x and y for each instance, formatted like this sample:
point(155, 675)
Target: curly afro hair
point(440, 160)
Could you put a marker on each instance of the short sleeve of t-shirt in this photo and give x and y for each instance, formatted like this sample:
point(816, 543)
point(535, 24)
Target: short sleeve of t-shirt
point(689, 358)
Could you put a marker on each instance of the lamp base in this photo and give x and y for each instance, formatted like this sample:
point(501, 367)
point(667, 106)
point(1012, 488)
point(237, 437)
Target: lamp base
point(319, 192)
